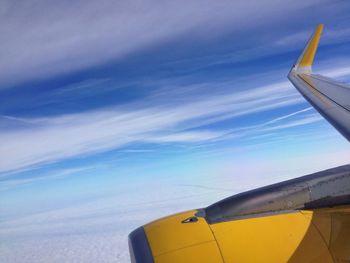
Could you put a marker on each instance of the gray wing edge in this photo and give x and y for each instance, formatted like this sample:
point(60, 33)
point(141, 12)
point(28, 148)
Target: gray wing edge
point(330, 98)
point(319, 190)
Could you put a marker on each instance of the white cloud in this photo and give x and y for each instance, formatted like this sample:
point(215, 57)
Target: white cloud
point(306, 120)
point(337, 72)
point(288, 115)
point(196, 136)
point(330, 36)
point(264, 130)
point(40, 39)
point(6, 184)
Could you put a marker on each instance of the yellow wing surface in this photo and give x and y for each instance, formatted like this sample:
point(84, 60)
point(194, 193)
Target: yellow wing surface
point(319, 236)
point(306, 219)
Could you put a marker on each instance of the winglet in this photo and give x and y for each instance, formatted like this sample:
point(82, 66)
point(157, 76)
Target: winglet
point(307, 57)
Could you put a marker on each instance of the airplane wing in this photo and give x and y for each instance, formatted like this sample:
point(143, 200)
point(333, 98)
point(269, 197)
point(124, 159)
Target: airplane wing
point(329, 97)
point(306, 219)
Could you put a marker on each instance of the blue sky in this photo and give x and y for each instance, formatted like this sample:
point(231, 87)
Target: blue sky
point(174, 105)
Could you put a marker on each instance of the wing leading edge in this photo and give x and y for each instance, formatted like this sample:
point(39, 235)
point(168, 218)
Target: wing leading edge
point(329, 97)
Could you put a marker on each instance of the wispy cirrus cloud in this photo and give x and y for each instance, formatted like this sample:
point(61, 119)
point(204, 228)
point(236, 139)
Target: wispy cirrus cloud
point(32, 141)
point(272, 127)
point(26, 142)
point(306, 120)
